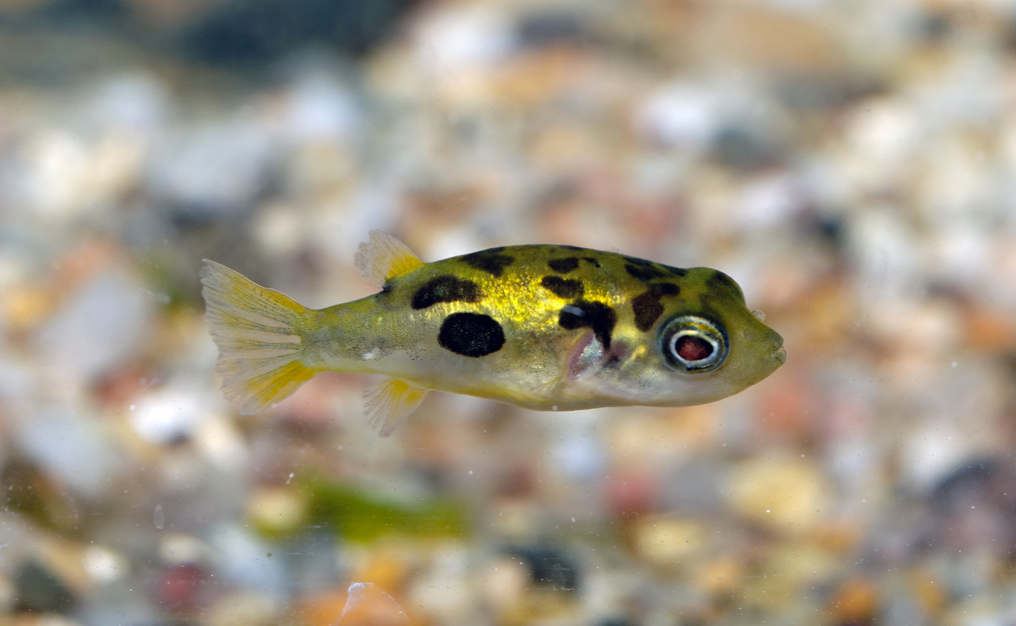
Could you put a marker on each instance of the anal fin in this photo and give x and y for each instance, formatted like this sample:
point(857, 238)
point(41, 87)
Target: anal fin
point(390, 402)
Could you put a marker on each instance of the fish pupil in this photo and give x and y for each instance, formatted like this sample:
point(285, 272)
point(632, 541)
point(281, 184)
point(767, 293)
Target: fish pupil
point(691, 348)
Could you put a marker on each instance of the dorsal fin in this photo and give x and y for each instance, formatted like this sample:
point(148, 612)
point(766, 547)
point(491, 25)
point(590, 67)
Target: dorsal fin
point(390, 402)
point(383, 257)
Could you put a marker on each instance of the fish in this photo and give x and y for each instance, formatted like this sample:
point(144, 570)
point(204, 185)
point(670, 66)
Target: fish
point(541, 326)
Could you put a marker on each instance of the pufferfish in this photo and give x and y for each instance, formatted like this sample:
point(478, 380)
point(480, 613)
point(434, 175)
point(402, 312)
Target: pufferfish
point(547, 327)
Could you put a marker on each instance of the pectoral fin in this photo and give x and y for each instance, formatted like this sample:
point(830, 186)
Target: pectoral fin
point(390, 402)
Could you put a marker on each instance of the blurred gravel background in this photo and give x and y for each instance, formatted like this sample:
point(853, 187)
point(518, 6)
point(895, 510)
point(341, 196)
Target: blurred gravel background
point(851, 164)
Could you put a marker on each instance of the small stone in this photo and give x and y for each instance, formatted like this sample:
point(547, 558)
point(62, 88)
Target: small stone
point(788, 567)
point(549, 567)
point(322, 609)
point(190, 177)
point(368, 605)
point(277, 511)
point(721, 576)
point(66, 444)
point(856, 601)
point(39, 590)
point(669, 542)
point(931, 597)
point(364, 604)
point(167, 415)
point(100, 326)
point(504, 584)
point(252, 564)
point(446, 590)
point(23, 307)
point(781, 493)
point(184, 587)
point(243, 608)
point(631, 493)
point(104, 565)
point(387, 567)
point(682, 115)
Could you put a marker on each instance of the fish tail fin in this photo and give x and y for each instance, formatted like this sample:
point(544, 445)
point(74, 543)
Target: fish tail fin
point(259, 335)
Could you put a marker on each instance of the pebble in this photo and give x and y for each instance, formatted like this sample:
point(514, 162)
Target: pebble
point(167, 415)
point(65, 444)
point(364, 604)
point(277, 511)
point(191, 178)
point(100, 326)
point(38, 590)
point(856, 601)
point(242, 609)
point(680, 115)
point(24, 307)
point(505, 583)
point(183, 587)
point(254, 563)
point(779, 492)
point(669, 543)
point(322, 609)
point(550, 567)
point(368, 605)
point(448, 589)
point(721, 576)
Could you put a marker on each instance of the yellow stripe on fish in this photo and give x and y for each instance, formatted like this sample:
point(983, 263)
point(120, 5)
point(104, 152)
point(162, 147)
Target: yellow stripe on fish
point(546, 327)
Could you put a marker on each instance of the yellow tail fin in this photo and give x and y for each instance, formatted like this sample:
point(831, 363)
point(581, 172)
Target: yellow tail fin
point(258, 334)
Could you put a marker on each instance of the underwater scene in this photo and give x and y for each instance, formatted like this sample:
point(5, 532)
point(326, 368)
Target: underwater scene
point(507, 313)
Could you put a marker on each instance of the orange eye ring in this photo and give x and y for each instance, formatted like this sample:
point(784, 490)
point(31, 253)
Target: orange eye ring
point(692, 344)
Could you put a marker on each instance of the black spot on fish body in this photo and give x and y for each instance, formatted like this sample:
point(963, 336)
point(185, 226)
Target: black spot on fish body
point(563, 287)
point(721, 282)
point(647, 306)
point(584, 314)
point(643, 270)
point(471, 334)
point(492, 261)
point(565, 265)
point(592, 261)
point(648, 270)
point(445, 288)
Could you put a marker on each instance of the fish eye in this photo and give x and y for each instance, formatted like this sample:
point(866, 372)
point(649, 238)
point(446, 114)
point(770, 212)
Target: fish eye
point(692, 344)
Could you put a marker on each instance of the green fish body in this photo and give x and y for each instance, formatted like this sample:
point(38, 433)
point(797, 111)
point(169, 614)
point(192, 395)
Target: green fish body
point(546, 327)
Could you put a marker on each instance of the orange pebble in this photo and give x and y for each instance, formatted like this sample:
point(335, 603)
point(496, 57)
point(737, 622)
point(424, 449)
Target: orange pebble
point(855, 602)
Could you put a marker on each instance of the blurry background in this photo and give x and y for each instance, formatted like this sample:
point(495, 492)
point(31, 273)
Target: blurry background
point(851, 164)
